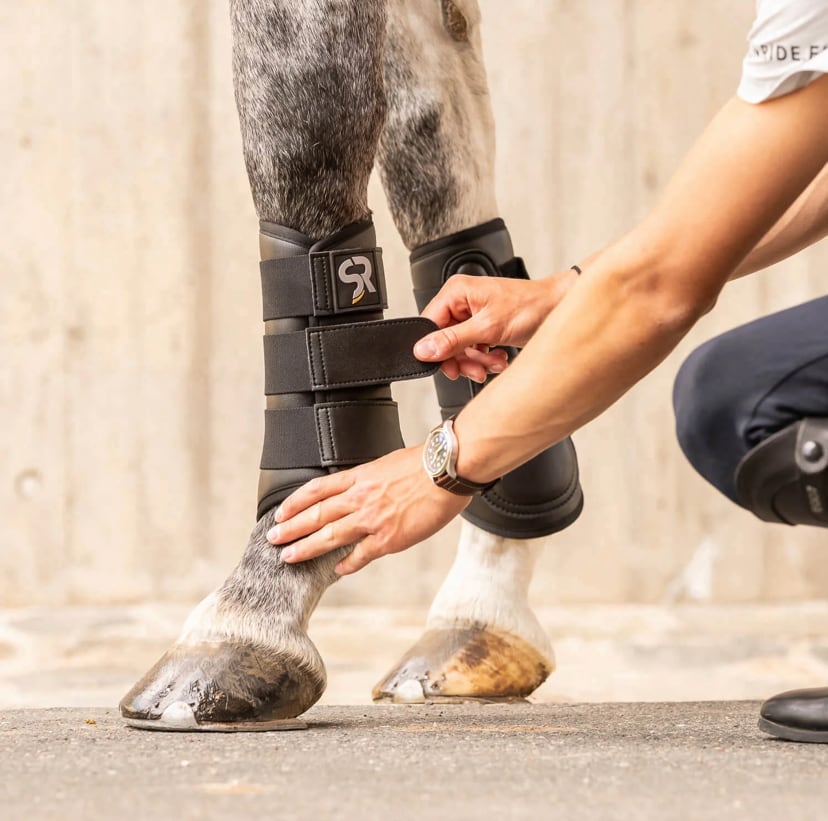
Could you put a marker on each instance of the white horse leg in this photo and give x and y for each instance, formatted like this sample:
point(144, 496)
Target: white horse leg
point(482, 639)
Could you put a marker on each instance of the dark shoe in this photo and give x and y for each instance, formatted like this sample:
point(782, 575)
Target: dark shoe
point(797, 715)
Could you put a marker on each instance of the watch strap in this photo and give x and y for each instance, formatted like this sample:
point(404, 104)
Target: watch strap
point(460, 486)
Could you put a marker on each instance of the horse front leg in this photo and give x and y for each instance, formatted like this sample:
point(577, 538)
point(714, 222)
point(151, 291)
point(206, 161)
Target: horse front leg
point(309, 88)
point(482, 639)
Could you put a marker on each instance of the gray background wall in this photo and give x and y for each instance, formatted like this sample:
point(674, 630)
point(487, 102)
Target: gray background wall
point(130, 354)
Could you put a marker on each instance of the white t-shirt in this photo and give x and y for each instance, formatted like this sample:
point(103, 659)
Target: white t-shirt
point(787, 48)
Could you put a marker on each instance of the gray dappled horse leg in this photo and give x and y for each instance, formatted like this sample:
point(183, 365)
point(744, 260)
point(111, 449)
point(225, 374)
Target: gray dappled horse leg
point(437, 161)
point(309, 90)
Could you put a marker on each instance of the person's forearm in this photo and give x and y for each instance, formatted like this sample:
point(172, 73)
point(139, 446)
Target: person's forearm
point(639, 297)
point(599, 341)
point(803, 224)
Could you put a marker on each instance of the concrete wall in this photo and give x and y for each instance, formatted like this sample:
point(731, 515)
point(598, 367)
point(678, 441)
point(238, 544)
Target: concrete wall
point(130, 353)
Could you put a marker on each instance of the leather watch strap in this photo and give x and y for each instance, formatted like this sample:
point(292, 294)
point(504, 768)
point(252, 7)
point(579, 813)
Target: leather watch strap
point(461, 487)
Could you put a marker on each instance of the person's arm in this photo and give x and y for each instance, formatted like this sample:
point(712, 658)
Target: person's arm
point(644, 293)
point(803, 224)
point(636, 301)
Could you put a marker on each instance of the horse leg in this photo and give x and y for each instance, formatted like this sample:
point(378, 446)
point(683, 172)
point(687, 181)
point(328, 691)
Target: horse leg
point(309, 89)
point(436, 155)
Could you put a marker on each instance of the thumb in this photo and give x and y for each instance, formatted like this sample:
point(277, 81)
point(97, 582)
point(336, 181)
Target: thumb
point(448, 342)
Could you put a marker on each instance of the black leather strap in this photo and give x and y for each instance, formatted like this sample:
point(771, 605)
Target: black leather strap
point(461, 487)
point(330, 434)
point(333, 357)
point(323, 283)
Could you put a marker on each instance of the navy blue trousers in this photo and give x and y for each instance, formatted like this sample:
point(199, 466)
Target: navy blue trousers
point(740, 387)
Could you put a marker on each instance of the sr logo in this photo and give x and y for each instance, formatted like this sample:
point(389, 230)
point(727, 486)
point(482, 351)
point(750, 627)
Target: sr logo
point(357, 271)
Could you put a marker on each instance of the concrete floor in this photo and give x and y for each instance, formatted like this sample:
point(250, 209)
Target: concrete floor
point(599, 761)
point(556, 758)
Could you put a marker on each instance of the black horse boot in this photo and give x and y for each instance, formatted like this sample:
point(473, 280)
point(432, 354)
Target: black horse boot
point(544, 495)
point(244, 660)
point(797, 715)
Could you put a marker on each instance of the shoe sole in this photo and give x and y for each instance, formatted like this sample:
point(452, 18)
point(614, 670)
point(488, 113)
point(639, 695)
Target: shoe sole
point(793, 733)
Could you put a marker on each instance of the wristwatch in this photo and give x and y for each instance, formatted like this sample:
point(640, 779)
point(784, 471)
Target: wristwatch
point(440, 461)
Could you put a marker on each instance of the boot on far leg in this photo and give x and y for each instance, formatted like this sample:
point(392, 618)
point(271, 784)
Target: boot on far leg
point(482, 638)
point(544, 495)
point(244, 660)
point(436, 156)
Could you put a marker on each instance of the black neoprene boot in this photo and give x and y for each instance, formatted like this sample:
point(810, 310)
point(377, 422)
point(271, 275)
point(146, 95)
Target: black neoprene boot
point(329, 356)
point(544, 495)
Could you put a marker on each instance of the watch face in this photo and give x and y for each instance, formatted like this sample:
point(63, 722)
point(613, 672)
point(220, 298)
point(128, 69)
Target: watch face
point(436, 453)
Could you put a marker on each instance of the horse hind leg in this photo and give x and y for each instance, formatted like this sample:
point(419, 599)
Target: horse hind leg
point(244, 660)
point(482, 639)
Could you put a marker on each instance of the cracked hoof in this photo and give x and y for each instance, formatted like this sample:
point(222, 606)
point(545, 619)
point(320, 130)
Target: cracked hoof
point(472, 663)
point(223, 686)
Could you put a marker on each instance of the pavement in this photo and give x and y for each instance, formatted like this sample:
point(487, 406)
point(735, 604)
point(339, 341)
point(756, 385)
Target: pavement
point(570, 755)
point(503, 761)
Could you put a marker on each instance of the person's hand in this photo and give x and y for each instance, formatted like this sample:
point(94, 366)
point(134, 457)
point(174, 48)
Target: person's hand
point(475, 314)
point(383, 507)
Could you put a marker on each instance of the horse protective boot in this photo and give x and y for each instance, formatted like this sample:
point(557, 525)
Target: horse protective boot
point(244, 660)
point(543, 495)
point(329, 357)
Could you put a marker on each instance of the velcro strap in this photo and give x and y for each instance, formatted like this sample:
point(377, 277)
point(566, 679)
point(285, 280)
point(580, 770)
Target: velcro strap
point(333, 357)
point(331, 434)
point(323, 283)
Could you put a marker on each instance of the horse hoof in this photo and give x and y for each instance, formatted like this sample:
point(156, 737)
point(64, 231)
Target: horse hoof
point(474, 663)
point(223, 686)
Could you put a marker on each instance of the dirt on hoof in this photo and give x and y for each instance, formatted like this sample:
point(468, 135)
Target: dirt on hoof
point(222, 686)
point(468, 663)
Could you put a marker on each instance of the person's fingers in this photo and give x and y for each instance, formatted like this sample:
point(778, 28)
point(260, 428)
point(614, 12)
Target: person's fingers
point(494, 360)
point(478, 365)
point(311, 519)
point(473, 370)
point(450, 341)
point(312, 492)
point(331, 536)
point(475, 365)
point(451, 369)
point(450, 304)
point(363, 554)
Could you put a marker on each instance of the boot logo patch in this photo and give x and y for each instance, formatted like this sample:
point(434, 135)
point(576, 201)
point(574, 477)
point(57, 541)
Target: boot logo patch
point(356, 272)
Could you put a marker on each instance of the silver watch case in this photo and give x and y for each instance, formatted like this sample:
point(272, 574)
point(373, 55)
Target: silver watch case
point(440, 461)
